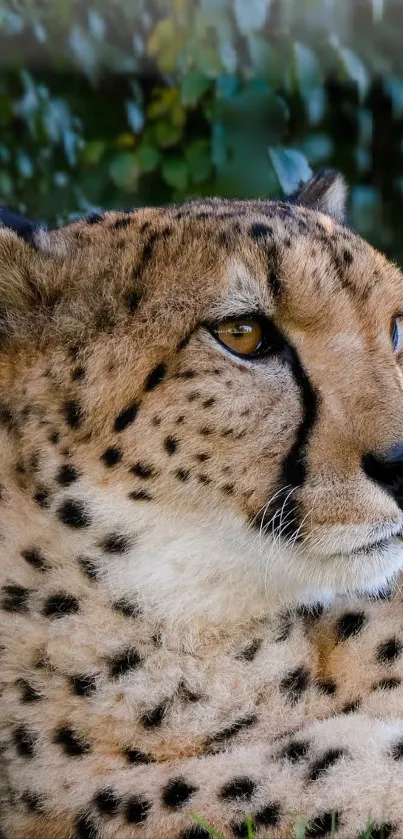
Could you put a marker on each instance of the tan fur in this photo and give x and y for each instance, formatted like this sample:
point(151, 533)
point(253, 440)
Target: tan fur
point(158, 622)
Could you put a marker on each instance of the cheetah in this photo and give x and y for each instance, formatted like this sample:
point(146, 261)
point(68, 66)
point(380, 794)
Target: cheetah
point(201, 516)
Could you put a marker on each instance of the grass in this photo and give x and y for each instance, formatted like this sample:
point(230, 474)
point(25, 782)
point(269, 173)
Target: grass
point(300, 828)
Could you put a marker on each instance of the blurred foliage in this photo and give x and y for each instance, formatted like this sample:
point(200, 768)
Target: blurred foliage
point(120, 103)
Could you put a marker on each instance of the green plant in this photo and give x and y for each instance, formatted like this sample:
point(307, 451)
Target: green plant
point(117, 103)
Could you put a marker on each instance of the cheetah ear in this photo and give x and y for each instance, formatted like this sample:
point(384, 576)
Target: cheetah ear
point(23, 227)
point(27, 280)
point(326, 192)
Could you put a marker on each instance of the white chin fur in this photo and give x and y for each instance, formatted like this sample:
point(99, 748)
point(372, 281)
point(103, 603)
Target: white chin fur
point(211, 567)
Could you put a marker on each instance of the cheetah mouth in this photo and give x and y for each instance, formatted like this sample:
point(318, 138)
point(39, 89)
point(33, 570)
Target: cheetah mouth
point(371, 548)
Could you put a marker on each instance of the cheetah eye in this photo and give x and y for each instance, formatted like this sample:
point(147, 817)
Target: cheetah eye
point(397, 333)
point(244, 336)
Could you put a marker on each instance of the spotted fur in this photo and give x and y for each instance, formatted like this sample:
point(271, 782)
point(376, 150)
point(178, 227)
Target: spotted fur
point(197, 549)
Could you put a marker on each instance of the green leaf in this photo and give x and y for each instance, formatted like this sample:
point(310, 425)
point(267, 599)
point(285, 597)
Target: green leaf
point(194, 85)
point(353, 67)
point(175, 172)
point(6, 185)
point(291, 168)
point(218, 145)
point(166, 134)
point(24, 164)
point(148, 158)
point(250, 14)
point(124, 170)
point(198, 156)
point(307, 70)
point(163, 34)
point(135, 117)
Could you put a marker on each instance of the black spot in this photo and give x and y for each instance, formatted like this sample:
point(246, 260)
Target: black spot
point(241, 829)
point(66, 475)
point(72, 744)
point(54, 437)
point(311, 612)
point(326, 686)
point(170, 445)
point(397, 750)
point(186, 694)
point(195, 833)
point(78, 374)
point(132, 301)
point(384, 831)
point(126, 417)
point(74, 513)
point(85, 828)
point(73, 352)
point(89, 567)
point(204, 479)
point(226, 733)
point(94, 218)
point(155, 377)
point(182, 475)
point(321, 825)
point(177, 793)
point(135, 756)
point(350, 707)
point(142, 470)
point(260, 231)
point(107, 802)
point(228, 489)
point(250, 652)
point(324, 763)
point(126, 608)
point(295, 750)
point(34, 557)
point(72, 414)
point(24, 741)
point(6, 417)
point(347, 257)
point(33, 801)
point(140, 495)
point(111, 456)
point(83, 684)
point(121, 223)
point(350, 624)
point(155, 717)
point(242, 787)
point(295, 683)
point(387, 684)
point(188, 374)
point(284, 627)
point(115, 543)
point(128, 659)
point(137, 809)
point(388, 651)
point(206, 431)
point(60, 604)
point(15, 598)
point(268, 816)
point(42, 497)
point(202, 457)
point(28, 693)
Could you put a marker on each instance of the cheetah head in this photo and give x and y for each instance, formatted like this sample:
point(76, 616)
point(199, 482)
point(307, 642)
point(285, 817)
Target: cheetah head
point(207, 399)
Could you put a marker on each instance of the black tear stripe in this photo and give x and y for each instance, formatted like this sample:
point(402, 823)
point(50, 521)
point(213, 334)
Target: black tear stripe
point(284, 511)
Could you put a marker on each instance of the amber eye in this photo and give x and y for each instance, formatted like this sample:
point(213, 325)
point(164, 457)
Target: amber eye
point(397, 333)
point(243, 336)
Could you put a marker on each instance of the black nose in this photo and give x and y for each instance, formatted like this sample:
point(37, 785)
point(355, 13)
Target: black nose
point(386, 469)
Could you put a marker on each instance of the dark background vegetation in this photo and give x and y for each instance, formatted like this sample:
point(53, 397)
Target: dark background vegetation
point(119, 103)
